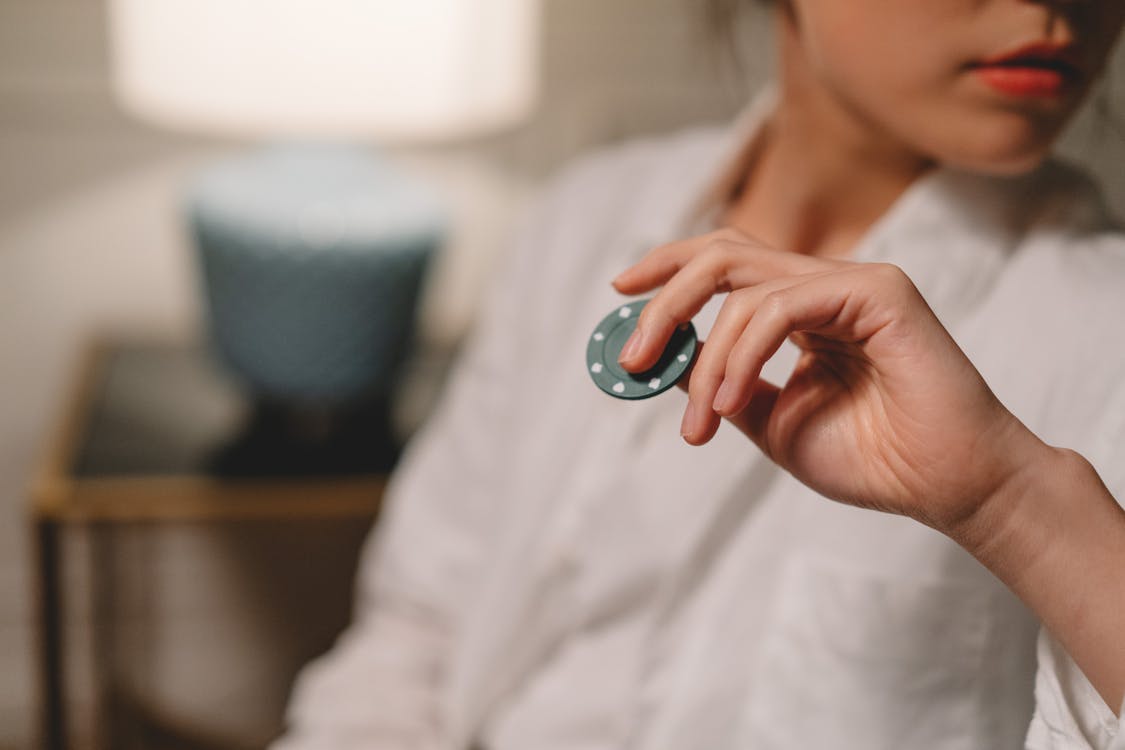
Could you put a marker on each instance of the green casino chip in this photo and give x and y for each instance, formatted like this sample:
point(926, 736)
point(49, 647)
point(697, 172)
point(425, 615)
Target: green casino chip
point(609, 338)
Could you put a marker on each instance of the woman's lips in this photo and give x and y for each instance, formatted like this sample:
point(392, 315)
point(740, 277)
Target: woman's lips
point(1023, 80)
point(1032, 70)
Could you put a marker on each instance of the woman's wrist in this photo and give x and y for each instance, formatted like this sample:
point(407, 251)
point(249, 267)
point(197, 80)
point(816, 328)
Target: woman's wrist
point(1053, 504)
point(1008, 529)
point(1055, 536)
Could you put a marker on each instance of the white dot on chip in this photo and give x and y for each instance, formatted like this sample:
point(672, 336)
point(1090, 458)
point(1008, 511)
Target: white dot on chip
point(619, 387)
point(682, 358)
point(596, 367)
point(599, 336)
point(654, 383)
point(625, 311)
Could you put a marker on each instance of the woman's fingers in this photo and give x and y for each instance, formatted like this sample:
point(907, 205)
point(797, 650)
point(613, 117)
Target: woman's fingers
point(710, 368)
point(725, 380)
point(773, 295)
point(693, 271)
point(751, 421)
point(812, 307)
point(740, 259)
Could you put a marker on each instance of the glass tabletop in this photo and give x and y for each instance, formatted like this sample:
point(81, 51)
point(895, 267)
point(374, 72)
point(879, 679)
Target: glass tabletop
point(160, 408)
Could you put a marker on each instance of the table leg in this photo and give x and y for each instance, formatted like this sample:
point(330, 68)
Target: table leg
point(111, 708)
point(49, 601)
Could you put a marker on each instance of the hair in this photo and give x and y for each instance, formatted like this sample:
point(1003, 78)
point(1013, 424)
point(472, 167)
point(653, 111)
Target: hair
point(721, 14)
point(720, 24)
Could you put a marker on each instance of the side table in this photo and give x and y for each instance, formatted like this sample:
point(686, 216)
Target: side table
point(145, 437)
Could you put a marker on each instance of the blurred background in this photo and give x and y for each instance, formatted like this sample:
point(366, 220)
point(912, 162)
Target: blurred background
point(187, 633)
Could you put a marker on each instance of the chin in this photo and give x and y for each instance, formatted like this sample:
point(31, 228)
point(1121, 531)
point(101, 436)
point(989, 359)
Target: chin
point(1000, 146)
point(1002, 165)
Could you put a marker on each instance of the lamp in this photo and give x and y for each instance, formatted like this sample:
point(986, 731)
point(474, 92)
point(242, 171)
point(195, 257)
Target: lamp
point(401, 70)
point(312, 249)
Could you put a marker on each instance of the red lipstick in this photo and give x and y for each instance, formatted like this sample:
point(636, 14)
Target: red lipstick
point(1039, 69)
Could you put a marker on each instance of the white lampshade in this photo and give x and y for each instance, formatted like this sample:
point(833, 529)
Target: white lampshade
point(392, 70)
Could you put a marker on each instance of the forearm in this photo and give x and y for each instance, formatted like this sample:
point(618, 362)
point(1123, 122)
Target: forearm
point(1055, 535)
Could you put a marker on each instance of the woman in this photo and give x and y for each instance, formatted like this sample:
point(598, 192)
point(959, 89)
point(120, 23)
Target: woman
point(941, 304)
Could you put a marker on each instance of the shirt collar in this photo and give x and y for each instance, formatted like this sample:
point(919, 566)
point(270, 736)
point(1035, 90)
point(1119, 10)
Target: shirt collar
point(951, 231)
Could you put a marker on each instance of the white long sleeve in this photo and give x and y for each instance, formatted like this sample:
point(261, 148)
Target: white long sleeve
point(386, 684)
point(805, 623)
point(1069, 713)
point(381, 685)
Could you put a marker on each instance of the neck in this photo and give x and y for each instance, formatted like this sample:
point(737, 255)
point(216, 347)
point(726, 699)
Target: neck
point(823, 174)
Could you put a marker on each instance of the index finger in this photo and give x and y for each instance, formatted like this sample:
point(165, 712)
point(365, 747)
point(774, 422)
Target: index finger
point(716, 269)
point(734, 259)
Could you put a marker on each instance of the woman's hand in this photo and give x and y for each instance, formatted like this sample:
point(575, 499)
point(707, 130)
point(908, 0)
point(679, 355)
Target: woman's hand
point(883, 410)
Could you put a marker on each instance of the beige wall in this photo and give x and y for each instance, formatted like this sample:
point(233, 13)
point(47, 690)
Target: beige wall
point(212, 622)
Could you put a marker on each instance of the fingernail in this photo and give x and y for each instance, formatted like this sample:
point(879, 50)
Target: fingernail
point(632, 346)
point(687, 427)
point(724, 399)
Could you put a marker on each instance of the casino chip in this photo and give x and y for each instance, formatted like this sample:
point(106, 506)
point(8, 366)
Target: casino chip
point(609, 338)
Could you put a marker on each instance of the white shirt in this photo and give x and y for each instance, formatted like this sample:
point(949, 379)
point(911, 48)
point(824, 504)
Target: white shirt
point(558, 569)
